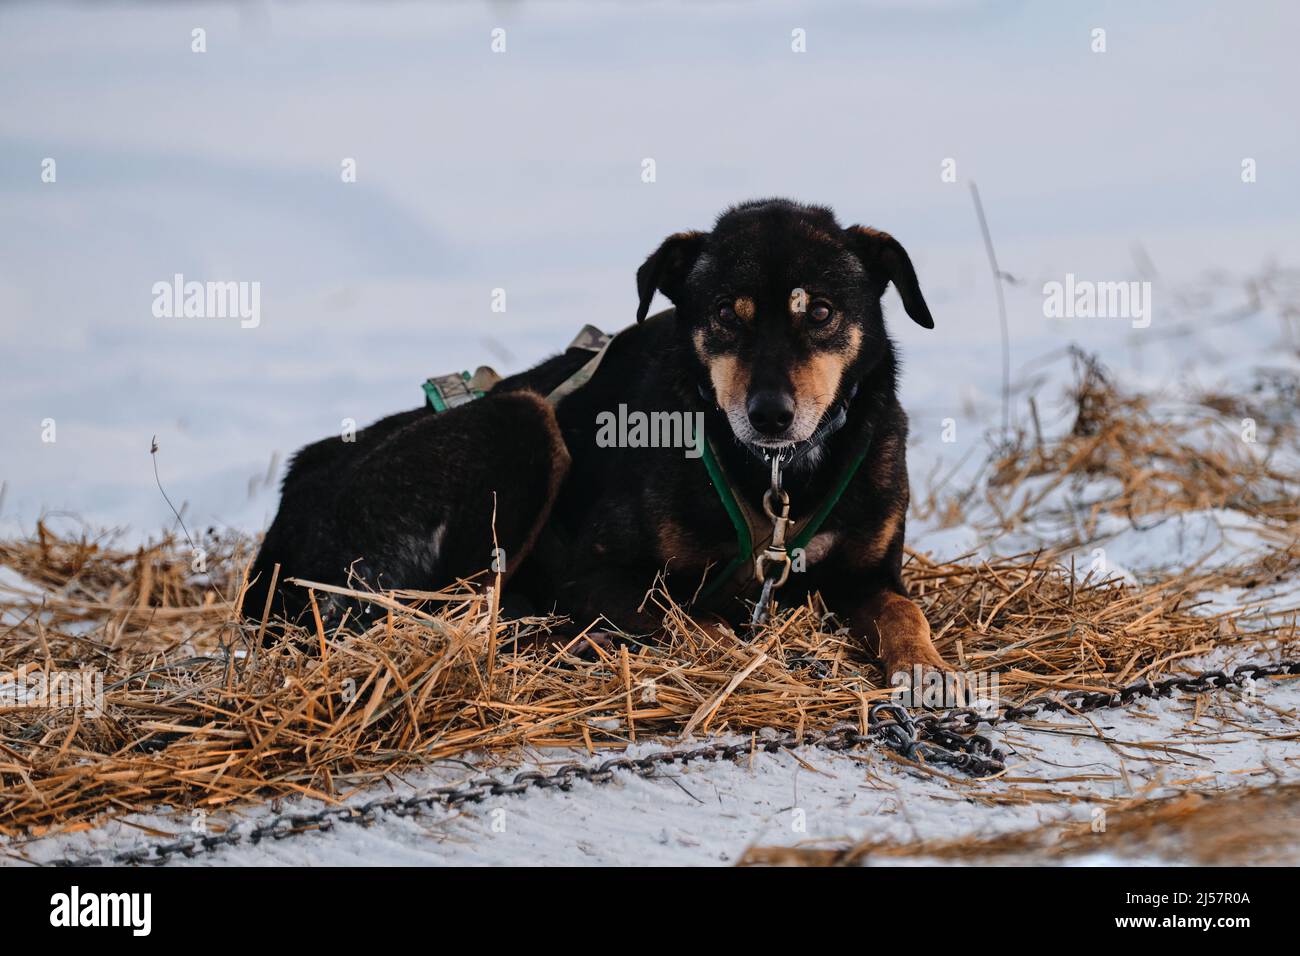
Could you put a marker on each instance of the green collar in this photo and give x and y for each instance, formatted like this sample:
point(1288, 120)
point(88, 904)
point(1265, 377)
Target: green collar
point(749, 524)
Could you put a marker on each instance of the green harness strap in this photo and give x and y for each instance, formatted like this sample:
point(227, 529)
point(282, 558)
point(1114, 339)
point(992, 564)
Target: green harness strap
point(739, 520)
point(748, 524)
point(448, 391)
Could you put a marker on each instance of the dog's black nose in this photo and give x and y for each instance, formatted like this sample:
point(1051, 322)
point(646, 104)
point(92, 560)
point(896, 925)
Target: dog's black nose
point(770, 411)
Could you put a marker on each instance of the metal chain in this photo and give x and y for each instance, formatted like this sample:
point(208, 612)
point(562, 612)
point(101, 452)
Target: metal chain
point(774, 498)
point(1083, 701)
point(932, 738)
point(888, 723)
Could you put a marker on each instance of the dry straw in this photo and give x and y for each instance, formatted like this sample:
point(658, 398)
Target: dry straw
point(198, 714)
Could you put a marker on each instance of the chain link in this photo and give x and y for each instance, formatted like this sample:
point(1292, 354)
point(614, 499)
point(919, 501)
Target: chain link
point(775, 552)
point(946, 739)
point(1083, 701)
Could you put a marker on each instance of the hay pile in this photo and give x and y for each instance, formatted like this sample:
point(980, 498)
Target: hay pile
point(1144, 458)
point(198, 714)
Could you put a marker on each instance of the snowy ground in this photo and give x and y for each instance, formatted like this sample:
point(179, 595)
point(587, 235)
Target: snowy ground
point(368, 291)
point(1062, 770)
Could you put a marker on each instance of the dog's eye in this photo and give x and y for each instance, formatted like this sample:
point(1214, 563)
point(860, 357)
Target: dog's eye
point(726, 312)
point(820, 312)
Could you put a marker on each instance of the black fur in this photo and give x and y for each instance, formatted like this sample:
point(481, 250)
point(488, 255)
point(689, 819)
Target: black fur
point(625, 515)
point(411, 503)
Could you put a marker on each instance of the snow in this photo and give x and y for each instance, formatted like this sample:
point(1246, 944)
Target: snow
point(523, 172)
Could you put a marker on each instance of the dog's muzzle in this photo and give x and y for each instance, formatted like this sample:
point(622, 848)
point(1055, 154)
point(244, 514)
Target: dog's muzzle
point(770, 413)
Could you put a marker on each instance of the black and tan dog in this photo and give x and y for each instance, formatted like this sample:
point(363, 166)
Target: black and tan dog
point(776, 343)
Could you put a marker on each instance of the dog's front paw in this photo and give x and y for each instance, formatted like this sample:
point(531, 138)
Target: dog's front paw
point(918, 677)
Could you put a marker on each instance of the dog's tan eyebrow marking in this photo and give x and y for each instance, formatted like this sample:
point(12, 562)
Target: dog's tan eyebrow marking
point(798, 302)
point(745, 308)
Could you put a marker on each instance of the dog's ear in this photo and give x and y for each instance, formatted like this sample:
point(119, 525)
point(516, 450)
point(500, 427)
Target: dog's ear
point(667, 268)
point(884, 255)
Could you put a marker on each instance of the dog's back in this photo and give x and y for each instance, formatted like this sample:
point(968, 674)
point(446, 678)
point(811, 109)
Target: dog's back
point(416, 499)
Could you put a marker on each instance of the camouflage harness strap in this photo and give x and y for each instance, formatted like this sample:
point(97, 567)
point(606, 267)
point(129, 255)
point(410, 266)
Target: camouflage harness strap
point(590, 339)
point(445, 392)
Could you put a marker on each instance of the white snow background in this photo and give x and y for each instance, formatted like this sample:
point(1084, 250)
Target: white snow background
point(522, 171)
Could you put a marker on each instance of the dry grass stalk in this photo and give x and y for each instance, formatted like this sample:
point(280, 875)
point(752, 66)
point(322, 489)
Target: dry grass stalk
point(194, 718)
point(197, 713)
point(1145, 459)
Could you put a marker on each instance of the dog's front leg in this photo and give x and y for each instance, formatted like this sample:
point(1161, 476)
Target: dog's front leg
point(896, 631)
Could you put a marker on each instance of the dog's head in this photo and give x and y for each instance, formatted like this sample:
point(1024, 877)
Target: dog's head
point(781, 309)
